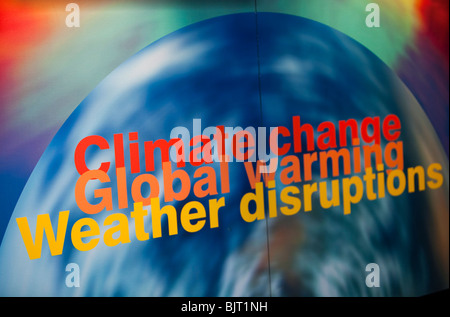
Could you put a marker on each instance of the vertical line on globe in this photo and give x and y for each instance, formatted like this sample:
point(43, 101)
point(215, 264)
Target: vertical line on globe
point(261, 120)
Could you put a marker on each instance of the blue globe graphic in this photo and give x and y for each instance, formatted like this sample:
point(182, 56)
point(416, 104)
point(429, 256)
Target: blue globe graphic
point(243, 71)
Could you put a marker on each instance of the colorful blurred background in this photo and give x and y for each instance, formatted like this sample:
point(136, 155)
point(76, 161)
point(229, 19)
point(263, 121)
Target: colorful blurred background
point(47, 69)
